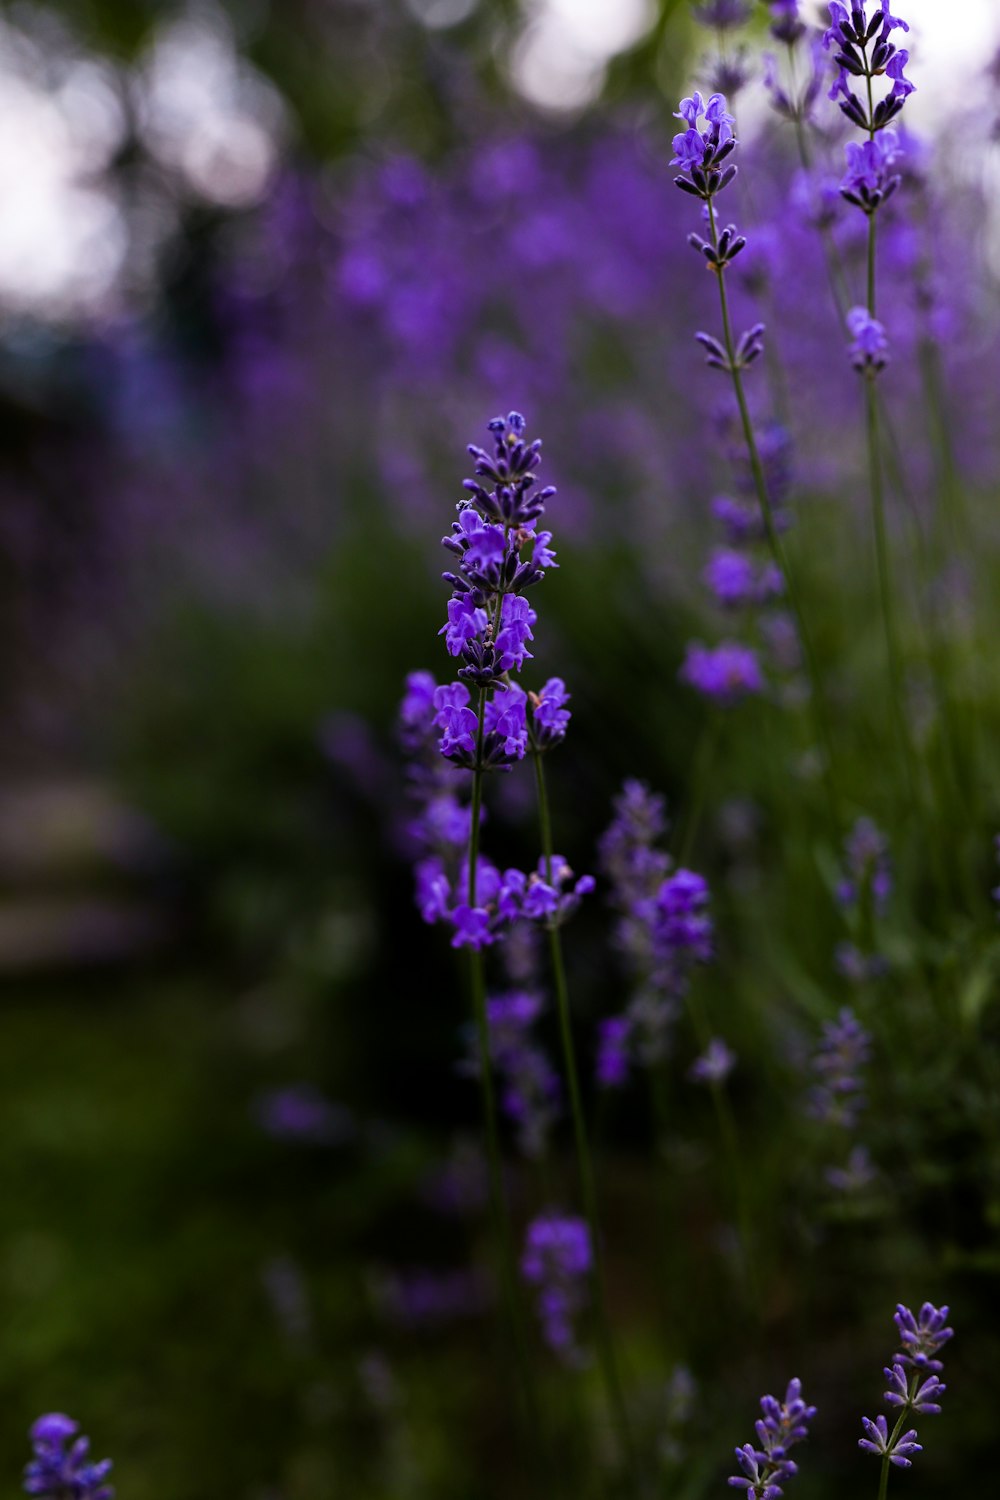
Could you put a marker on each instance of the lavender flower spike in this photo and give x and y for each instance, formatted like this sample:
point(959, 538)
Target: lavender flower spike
point(783, 1424)
point(922, 1336)
point(59, 1472)
point(557, 1259)
point(913, 1385)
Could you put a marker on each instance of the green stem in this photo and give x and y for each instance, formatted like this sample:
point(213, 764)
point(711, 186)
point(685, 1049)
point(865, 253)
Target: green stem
point(605, 1344)
point(883, 1483)
point(498, 1206)
point(738, 1178)
point(877, 489)
point(821, 725)
point(704, 756)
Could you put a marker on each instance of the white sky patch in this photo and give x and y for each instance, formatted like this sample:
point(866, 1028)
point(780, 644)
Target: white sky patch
point(560, 60)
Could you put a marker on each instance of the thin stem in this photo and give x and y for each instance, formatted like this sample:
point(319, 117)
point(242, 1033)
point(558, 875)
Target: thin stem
point(883, 1483)
point(885, 583)
point(739, 1180)
point(821, 725)
point(606, 1351)
point(498, 1206)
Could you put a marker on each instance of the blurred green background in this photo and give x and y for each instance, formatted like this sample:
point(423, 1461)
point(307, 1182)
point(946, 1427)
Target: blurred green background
point(220, 561)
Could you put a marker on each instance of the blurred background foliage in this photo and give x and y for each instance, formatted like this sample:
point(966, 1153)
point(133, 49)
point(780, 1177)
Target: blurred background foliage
point(222, 481)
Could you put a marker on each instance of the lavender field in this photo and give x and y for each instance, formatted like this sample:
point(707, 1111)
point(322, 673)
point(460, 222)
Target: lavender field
point(500, 825)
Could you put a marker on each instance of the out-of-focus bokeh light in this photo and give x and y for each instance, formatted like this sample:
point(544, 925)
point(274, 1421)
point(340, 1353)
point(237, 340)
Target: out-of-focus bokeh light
point(439, 14)
point(206, 113)
point(560, 60)
point(63, 239)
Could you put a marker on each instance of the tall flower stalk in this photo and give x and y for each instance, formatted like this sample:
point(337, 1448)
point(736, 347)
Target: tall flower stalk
point(863, 51)
point(542, 741)
point(914, 1389)
point(703, 154)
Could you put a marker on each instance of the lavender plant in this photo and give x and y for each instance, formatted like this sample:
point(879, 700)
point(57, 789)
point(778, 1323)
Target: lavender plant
point(914, 1388)
point(863, 49)
point(781, 1426)
point(703, 154)
point(62, 1468)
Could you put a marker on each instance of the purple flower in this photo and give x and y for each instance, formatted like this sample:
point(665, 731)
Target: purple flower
point(627, 849)
point(682, 927)
point(870, 179)
point(869, 350)
point(498, 554)
point(782, 1424)
point(530, 1086)
point(506, 722)
point(59, 1472)
point(868, 876)
point(736, 581)
point(466, 620)
point(416, 711)
point(301, 1113)
point(613, 1051)
point(663, 930)
point(845, 1048)
point(557, 1260)
point(726, 673)
point(429, 1299)
point(472, 927)
point(863, 50)
point(786, 24)
point(913, 1382)
point(856, 1176)
point(922, 1336)
point(714, 1065)
point(895, 1449)
point(921, 1396)
point(549, 715)
point(457, 722)
point(723, 15)
point(516, 620)
point(700, 152)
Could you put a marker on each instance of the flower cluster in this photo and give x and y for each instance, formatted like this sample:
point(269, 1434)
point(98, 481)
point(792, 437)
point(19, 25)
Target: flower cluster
point(663, 929)
point(914, 1384)
point(863, 49)
point(863, 895)
point(869, 349)
point(714, 1065)
point(795, 102)
point(786, 23)
point(782, 1424)
point(502, 897)
point(723, 15)
point(61, 1472)
point(557, 1260)
point(745, 581)
point(871, 178)
point(530, 1085)
point(726, 673)
point(499, 553)
point(837, 1098)
point(700, 151)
